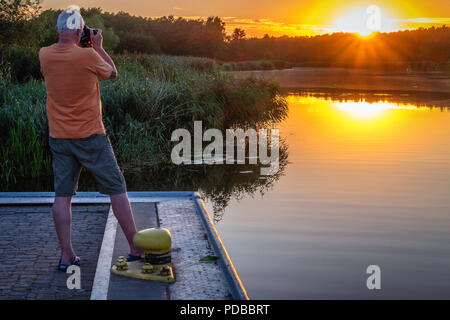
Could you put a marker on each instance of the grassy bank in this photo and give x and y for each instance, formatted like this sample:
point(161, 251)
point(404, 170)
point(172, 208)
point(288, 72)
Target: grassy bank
point(354, 80)
point(153, 96)
point(256, 65)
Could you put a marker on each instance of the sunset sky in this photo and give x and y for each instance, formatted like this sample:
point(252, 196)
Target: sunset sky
point(284, 17)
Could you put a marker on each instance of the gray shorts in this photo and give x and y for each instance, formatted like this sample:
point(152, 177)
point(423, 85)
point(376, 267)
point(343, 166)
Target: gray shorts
point(95, 154)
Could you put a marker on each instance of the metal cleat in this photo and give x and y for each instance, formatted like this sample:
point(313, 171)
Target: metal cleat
point(147, 268)
point(121, 264)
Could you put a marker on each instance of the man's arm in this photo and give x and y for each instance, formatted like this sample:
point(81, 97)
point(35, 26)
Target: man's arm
point(97, 44)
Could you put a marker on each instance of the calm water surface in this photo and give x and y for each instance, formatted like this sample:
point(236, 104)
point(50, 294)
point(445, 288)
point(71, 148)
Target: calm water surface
point(366, 183)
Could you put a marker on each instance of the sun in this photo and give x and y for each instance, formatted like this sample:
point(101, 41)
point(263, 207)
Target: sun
point(364, 21)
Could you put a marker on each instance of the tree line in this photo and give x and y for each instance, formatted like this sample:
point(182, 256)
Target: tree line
point(24, 28)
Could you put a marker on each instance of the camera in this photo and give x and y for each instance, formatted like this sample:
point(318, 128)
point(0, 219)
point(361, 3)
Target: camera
point(85, 40)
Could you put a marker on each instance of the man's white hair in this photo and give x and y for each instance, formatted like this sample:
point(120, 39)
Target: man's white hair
point(70, 19)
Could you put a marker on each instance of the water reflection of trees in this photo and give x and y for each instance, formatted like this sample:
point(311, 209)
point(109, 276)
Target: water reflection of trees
point(420, 99)
point(239, 181)
point(218, 183)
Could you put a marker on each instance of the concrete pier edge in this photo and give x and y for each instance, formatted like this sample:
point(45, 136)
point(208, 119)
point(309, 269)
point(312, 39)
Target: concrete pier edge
point(238, 290)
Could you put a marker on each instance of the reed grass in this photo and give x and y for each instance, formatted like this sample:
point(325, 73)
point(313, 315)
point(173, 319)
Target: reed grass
point(256, 65)
point(153, 95)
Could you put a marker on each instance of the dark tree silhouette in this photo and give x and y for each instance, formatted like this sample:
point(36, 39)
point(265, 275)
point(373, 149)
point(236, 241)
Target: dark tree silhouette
point(238, 34)
point(421, 49)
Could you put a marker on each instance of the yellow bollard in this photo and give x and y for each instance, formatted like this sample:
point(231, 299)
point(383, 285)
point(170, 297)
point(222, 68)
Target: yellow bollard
point(156, 264)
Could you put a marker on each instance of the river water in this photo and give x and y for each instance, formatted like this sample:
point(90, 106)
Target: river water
point(367, 183)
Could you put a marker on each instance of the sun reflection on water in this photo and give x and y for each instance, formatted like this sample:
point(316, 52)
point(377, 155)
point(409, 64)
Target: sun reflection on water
point(358, 109)
point(364, 109)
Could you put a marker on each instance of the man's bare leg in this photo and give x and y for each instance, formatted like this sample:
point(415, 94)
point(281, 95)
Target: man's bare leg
point(62, 217)
point(122, 210)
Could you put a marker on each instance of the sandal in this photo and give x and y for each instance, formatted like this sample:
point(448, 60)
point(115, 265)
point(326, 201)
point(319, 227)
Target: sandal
point(132, 257)
point(63, 267)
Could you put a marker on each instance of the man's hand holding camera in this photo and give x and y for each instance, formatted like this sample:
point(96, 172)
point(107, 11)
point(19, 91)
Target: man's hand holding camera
point(96, 39)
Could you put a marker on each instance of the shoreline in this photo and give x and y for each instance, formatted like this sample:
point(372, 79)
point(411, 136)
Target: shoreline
point(353, 79)
point(417, 98)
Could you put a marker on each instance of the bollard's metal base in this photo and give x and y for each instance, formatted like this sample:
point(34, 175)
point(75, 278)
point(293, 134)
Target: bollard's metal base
point(134, 269)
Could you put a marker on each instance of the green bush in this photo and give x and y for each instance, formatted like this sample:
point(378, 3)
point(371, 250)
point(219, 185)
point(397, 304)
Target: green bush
point(252, 102)
point(139, 42)
point(24, 63)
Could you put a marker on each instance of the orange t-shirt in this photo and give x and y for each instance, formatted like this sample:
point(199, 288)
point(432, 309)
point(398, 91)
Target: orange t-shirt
point(74, 108)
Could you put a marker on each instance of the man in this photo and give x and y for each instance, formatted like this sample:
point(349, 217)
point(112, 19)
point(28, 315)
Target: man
point(77, 135)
